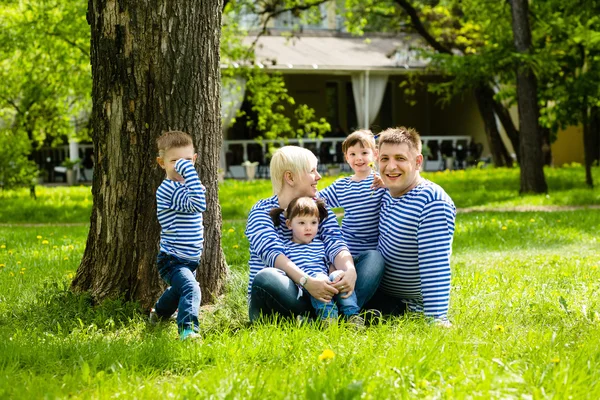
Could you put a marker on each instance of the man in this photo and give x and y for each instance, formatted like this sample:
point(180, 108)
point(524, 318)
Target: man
point(416, 227)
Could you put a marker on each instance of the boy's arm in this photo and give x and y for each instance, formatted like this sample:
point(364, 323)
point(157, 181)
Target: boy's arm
point(329, 194)
point(189, 198)
point(434, 240)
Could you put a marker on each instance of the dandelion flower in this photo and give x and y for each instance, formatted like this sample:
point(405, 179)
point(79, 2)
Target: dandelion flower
point(22, 272)
point(55, 247)
point(3, 246)
point(499, 328)
point(45, 242)
point(11, 274)
point(66, 258)
point(555, 360)
point(493, 219)
point(230, 230)
point(326, 355)
point(532, 220)
point(71, 247)
point(10, 252)
point(38, 237)
point(235, 246)
point(504, 228)
point(18, 262)
point(2, 265)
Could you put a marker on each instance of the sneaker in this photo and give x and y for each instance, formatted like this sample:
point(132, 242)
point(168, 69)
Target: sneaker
point(356, 321)
point(189, 334)
point(155, 319)
point(327, 322)
point(302, 320)
point(371, 316)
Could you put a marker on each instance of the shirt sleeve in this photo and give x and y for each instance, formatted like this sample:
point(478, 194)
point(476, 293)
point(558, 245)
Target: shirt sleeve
point(330, 194)
point(434, 239)
point(190, 196)
point(263, 237)
point(331, 235)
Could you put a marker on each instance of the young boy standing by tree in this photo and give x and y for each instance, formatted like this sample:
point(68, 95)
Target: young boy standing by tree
point(180, 203)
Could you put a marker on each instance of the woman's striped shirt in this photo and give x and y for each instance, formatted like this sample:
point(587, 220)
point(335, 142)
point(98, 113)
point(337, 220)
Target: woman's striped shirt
point(361, 206)
point(267, 241)
point(179, 208)
point(415, 239)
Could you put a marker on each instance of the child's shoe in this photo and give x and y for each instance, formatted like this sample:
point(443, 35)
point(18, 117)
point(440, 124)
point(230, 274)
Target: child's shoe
point(371, 316)
point(189, 334)
point(356, 321)
point(327, 322)
point(155, 319)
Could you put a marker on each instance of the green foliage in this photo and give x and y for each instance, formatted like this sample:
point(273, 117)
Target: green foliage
point(15, 168)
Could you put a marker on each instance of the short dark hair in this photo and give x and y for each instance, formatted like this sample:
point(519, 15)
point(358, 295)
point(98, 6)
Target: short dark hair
point(363, 136)
point(300, 207)
point(401, 135)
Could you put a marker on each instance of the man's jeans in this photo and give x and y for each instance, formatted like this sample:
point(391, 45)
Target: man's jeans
point(275, 293)
point(183, 293)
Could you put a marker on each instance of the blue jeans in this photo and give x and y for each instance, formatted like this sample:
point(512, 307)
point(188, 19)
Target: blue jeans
point(183, 293)
point(347, 306)
point(275, 293)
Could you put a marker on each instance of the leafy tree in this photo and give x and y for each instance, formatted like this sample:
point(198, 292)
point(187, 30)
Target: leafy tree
point(15, 168)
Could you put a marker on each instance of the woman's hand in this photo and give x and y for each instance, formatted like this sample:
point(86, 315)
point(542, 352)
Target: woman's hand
point(345, 281)
point(320, 289)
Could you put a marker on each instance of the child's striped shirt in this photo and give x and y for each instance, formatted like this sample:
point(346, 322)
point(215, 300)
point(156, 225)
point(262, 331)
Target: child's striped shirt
point(179, 208)
point(361, 206)
point(309, 257)
point(267, 241)
point(415, 239)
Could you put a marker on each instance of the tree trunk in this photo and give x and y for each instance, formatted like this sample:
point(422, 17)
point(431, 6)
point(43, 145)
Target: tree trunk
point(155, 67)
point(595, 133)
point(508, 125)
point(587, 143)
point(484, 97)
point(531, 158)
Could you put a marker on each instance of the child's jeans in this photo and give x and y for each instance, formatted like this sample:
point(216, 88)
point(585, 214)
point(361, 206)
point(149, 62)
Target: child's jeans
point(347, 306)
point(184, 292)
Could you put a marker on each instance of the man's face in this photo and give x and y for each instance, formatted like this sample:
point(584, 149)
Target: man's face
point(399, 167)
point(168, 160)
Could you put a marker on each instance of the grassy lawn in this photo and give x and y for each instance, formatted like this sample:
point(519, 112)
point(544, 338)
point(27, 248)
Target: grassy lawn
point(524, 305)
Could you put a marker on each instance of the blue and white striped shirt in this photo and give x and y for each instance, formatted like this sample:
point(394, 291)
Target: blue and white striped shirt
point(361, 206)
point(309, 257)
point(415, 239)
point(179, 207)
point(267, 241)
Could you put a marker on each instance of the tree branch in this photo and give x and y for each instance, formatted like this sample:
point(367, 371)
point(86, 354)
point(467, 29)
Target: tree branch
point(85, 52)
point(420, 28)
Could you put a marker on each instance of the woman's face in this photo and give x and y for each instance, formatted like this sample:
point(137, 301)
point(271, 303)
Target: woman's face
point(306, 184)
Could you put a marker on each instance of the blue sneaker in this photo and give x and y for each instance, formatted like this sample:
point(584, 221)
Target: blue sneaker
point(189, 334)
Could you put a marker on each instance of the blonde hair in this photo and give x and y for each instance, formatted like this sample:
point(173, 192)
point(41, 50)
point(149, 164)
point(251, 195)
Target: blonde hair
point(294, 159)
point(401, 135)
point(173, 139)
point(363, 136)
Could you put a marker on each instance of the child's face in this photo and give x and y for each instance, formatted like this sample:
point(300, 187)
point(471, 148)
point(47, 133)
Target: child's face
point(359, 158)
point(304, 229)
point(168, 160)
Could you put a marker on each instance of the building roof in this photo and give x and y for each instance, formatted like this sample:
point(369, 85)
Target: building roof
point(337, 54)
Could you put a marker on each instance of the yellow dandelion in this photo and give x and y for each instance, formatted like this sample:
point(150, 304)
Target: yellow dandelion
point(230, 230)
point(70, 276)
point(594, 267)
point(11, 274)
point(38, 237)
point(235, 246)
point(23, 269)
point(18, 262)
point(326, 355)
point(555, 360)
point(532, 220)
point(2, 265)
point(493, 219)
point(22, 272)
point(10, 252)
point(64, 237)
point(66, 258)
point(71, 247)
point(499, 328)
point(558, 220)
point(55, 247)
point(45, 242)
point(509, 221)
point(504, 228)
point(3, 246)
point(423, 383)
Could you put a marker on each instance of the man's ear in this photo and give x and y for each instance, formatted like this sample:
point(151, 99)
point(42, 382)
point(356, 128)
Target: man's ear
point(160, 162)
point(419, 160)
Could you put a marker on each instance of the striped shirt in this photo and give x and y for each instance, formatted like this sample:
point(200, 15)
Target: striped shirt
point(415, 239)
point(267, 241)
point(309, 257)
point(361, 206)
point(179, 207)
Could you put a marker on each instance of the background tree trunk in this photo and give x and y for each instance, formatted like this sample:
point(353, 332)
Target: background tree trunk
point(155, 67)
point(530, 140)
point(484, 97)
point(587, 143)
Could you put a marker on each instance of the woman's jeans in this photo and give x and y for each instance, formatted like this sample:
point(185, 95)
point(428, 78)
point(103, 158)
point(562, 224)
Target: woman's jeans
point(329, 309)
point(184, 291)
point(275, 293)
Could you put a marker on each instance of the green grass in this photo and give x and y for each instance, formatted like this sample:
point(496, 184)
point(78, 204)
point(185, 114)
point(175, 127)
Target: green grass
point(524, 305)
point(482, 188)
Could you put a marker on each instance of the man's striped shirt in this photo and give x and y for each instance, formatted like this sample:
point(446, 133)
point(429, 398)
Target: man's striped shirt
point(309, 257)
point(179, 208)
point(267, 241)
point(415, 239)
point(361, 206)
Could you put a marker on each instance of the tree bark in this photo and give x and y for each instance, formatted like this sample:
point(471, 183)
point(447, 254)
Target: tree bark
point(508, 125)
point(595, 133)
point(155, 67)
point(484, 97)
point(532, 161)
point(587, 143)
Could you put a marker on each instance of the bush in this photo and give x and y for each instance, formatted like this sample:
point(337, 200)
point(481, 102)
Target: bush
point(15, 168)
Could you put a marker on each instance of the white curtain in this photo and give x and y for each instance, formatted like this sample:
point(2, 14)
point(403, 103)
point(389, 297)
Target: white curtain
point(372, 88)
point(232, 96)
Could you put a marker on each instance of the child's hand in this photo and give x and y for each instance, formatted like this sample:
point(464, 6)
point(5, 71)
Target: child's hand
point(377, 182)
point(320, 289)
